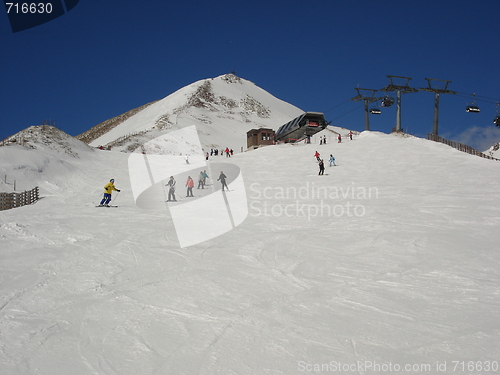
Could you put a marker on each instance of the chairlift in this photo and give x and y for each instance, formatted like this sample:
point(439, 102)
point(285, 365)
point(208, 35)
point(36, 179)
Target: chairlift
point(387, 101)
point(375, 111)
point(472, 108)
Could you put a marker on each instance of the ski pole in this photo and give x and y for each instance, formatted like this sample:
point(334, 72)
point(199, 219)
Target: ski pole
point(115, 197)
point(98, 199)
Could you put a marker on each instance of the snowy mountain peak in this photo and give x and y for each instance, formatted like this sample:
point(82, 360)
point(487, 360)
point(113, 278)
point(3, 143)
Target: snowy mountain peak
point(206, 97)
point(230, 78)
point(223, 108)
point(48, 138)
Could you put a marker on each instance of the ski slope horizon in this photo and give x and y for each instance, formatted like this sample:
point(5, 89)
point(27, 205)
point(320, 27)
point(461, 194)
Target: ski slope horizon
point(388, 260)
point(223, 108)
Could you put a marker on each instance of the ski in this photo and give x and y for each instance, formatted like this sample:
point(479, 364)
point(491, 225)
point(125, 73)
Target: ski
point(108, 206)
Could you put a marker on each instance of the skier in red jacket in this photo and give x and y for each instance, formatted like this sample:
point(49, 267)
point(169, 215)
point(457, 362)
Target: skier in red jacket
point(189, 184)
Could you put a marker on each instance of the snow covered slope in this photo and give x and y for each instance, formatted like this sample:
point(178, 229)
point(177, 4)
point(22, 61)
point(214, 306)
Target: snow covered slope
point(494, 151)
point(48, 139)
point(42, 156)
point(224, 108)
point(388, 263)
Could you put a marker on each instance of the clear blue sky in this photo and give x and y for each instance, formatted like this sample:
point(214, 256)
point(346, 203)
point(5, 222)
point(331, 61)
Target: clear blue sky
point(104, 58)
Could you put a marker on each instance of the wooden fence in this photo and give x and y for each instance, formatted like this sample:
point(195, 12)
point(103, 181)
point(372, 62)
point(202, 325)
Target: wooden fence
point(12, 200)
point(459, 146)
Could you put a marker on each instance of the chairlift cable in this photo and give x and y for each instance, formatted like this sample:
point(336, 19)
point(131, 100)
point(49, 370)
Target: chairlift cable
point(475, 97)
point(469, 96)
point(479, 96)
point(338, 105)
point(346, 113)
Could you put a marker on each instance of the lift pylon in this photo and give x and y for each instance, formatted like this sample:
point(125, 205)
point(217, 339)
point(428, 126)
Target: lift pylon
point(362, 95)
point(400, 89)
point(437, 91)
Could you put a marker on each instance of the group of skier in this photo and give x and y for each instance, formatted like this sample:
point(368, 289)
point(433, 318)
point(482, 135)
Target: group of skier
point(322, 140)
point(190, 184)
point(171, 184)
point(214, 152)
point(339, 137)
point(321, 163)
point(202, 179)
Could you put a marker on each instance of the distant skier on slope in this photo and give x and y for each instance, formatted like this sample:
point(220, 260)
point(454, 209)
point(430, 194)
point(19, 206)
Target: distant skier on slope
point(201, 181)
point(171, 190)
point(222, 179)
point(321, 167)
point(316, 155)
point(332, 160)
point(108, 189)
point(205, 176)
point(189, 184)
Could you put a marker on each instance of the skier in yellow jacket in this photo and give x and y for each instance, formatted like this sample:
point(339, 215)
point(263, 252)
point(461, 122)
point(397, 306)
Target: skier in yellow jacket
point(108, 189)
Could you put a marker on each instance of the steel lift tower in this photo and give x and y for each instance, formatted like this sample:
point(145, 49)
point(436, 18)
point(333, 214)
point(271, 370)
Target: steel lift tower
point(400, 89)
point(367, 100)
point(437, 91)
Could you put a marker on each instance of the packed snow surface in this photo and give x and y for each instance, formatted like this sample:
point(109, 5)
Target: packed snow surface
point(390, 259)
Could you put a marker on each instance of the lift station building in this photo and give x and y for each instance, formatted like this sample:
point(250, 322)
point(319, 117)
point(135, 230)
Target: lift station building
point(302, 127)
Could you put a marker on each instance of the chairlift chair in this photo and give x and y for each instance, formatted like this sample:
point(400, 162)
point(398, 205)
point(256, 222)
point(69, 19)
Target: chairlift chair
point(472, 108)
point(387, 101)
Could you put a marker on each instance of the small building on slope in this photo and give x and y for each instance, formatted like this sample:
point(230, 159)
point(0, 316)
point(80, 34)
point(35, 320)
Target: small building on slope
point(259, 137)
